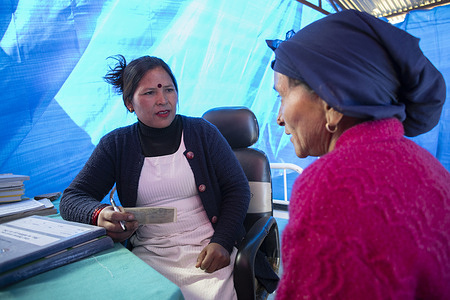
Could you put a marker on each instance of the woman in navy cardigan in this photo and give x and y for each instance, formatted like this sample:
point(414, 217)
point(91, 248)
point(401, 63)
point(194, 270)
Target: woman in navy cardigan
point(167, 160)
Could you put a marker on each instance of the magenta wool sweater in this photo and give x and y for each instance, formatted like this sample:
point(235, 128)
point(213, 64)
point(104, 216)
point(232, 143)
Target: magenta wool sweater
point(369, 220)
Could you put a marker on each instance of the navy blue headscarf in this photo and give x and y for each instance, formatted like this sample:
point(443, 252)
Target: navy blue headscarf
point(365, 68)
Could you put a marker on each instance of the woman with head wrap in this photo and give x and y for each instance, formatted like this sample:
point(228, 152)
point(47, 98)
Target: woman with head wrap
point(370, 218)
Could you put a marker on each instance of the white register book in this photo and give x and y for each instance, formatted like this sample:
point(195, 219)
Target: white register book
point(36, 244)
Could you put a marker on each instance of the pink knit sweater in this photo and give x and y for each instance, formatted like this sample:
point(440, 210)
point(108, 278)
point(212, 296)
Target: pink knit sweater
point(369, 220)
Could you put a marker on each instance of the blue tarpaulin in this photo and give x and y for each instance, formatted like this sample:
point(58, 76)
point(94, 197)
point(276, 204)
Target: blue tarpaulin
point(53, 55)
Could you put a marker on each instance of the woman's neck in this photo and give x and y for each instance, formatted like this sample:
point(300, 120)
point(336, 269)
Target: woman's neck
point(160, 141)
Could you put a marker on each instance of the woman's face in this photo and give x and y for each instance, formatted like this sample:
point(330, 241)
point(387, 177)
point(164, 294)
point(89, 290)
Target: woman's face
point(303, 115)
point(155, 99)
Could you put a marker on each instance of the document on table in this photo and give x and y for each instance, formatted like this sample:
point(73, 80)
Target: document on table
point(24, 205)
point(153, 215)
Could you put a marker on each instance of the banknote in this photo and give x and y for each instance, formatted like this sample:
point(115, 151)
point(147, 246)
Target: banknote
point(153, 215)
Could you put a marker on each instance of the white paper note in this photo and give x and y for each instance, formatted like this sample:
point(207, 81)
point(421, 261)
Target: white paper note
point(153, 215)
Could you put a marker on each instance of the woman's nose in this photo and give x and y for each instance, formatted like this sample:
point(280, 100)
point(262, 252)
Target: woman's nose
point(280, 120)
point(162, 98)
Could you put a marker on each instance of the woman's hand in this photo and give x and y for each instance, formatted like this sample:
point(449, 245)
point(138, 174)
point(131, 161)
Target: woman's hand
point(212, 258)
point(109, 219)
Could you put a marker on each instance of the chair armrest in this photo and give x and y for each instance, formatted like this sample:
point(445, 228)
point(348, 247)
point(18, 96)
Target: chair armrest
point(244, 266)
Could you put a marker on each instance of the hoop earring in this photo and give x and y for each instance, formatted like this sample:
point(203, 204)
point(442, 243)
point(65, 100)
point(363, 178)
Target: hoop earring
point(332, 129)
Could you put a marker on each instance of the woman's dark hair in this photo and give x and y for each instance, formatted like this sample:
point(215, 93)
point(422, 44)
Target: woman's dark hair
point(126, 77)
point(296, 82)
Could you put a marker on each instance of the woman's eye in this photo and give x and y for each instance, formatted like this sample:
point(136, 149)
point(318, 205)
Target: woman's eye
point(170, 90)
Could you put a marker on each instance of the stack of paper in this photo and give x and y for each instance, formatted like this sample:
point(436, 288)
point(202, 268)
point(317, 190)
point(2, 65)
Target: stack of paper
point(12, 187)
point(16, 210)
point(13, 205)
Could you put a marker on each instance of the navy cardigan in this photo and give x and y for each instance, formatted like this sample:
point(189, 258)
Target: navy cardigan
point(118, 159)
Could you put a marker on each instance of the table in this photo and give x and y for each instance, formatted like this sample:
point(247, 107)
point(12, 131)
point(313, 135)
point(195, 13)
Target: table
point(111, 274)
point(115, 273)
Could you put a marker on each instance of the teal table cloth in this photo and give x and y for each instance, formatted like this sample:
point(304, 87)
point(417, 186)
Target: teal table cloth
point(112, 274)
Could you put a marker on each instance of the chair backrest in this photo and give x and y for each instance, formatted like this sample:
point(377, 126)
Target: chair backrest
point(240, 128)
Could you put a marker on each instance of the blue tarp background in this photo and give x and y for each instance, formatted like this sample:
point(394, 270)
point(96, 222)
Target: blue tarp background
point(55, 105)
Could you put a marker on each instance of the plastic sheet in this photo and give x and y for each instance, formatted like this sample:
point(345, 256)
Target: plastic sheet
point(53, 55)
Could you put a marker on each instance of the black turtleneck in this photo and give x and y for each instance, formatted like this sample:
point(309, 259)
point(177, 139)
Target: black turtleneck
point(160, 141)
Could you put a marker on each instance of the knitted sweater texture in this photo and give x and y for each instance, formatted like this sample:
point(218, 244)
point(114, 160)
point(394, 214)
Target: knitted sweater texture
point(118, 159)
point(369, 220)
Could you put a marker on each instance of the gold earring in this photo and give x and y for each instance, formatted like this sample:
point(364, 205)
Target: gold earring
point(332, 129)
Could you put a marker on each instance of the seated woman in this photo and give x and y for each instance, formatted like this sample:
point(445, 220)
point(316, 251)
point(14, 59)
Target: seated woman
point(370, 218)
point(166, 160)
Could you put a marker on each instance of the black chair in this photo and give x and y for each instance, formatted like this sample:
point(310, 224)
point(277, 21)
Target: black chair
point(258, 257)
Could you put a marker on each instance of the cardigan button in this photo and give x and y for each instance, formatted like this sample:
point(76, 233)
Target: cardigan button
point(214, 220)
point(201, 188)
point(190, 155)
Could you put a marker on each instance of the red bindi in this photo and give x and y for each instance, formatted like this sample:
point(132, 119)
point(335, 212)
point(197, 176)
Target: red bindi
point(159, 85)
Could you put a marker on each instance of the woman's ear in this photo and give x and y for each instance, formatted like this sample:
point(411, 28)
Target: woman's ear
point(129, 106)
point(333, 116)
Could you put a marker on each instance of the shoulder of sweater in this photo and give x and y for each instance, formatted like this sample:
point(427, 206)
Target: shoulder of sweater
point(198, 132)
point(189, 121)
point(119, 138)
point(121, 132)
point(198, 125)
point(371, 157)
